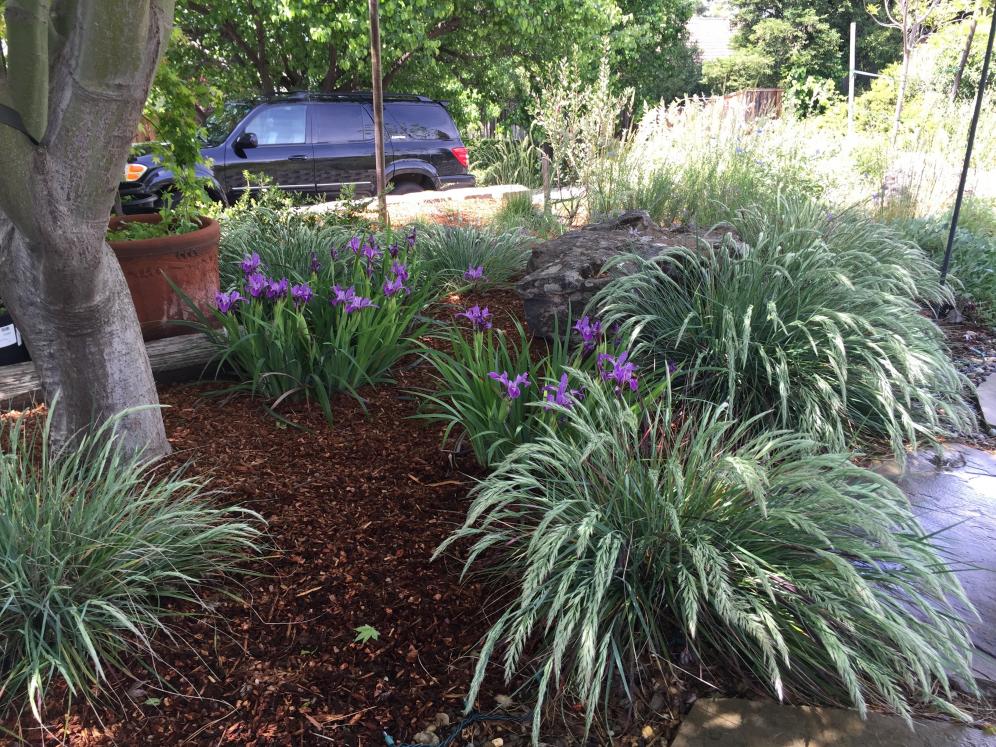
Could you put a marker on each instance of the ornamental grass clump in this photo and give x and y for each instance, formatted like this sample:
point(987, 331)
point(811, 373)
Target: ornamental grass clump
point(449, 253)
point(491, 391)
point(793, 335)
point(642, 539)
point(96, 547)
point(870, 254)
point(336, 322)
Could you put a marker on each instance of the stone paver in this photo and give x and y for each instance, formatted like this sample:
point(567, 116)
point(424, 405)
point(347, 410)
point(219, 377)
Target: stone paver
point(765, 723)
point(958, 500)
point(987, 399)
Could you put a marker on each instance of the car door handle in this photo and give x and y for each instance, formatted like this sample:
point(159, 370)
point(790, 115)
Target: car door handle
point(298, 158)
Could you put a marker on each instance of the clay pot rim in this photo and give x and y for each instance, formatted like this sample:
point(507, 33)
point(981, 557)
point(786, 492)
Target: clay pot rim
point(209, 232)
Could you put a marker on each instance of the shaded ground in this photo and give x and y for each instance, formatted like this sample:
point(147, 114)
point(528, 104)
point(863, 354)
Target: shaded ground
point(957, 499)
point(764, 723)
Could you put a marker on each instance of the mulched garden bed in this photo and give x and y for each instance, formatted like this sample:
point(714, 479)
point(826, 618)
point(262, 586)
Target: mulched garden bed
point(354, 513)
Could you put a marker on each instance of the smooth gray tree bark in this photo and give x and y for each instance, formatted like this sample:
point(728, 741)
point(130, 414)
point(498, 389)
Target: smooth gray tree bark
point(90, 64)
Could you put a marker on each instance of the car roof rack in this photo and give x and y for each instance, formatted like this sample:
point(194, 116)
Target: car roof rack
point(345, 96)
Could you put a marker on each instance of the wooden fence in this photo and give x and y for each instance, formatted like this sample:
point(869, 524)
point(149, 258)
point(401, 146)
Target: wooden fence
point(751, 103)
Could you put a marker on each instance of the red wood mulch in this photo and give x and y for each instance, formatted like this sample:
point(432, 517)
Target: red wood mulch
point(354, 512)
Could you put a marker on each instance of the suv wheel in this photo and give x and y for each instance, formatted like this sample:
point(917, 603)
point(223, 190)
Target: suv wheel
point(406, 187)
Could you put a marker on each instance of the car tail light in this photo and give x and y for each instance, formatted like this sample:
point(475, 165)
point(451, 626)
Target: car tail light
point(134, 171)
point(461, 155)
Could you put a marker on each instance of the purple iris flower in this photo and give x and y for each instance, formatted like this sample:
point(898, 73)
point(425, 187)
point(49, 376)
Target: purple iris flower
point(314, 265)
point(256, 284)
point(410, 238)
point(393, 249)
point(340, 295)
point(590, 332)
point(359, 302)
point(301, 294)
point(334, 253)
point(480, 318)
point(473, 274)
point(513, 387)
point(227, 301)
point(400, 270)
point(251, 263)
point(354, 244)
point(618, 370)
point(560, 395)
point(277, 289)
point(370, 251)
point(393, 286)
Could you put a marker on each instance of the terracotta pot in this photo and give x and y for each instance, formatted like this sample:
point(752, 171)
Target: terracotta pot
point(190, 260)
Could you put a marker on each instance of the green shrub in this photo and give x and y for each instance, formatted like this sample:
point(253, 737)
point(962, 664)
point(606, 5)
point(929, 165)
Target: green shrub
point(978, 216)
point(973, 258)
point(447, 252)
point(787, 334)
point(476, 407)
point(320, 329)
point(639, 539)
point(94, 548)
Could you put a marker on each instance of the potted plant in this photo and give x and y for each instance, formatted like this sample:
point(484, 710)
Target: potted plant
point(177, 245)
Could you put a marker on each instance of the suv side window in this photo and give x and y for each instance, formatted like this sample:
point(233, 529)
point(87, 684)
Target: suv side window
point(280, 124)
point(422, 121)
point(340, 123)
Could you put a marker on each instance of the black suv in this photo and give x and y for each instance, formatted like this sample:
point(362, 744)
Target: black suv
point(317, 143)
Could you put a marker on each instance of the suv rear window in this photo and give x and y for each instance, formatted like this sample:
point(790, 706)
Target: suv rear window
point(422, 121)
point(340, 123)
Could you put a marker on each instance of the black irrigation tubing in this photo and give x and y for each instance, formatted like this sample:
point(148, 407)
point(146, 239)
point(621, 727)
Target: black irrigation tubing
point(476, 717)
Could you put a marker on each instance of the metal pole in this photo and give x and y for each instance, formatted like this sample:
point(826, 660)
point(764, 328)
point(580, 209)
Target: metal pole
point(378, 111)
point(983, 79)
point(850, 82)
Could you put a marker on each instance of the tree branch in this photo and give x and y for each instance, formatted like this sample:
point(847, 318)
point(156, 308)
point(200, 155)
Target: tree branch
point(27, 46)
point(440, 29)
point(332, 71)
point(231, 32)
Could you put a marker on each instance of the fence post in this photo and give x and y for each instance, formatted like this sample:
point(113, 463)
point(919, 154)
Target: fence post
point(545, 172)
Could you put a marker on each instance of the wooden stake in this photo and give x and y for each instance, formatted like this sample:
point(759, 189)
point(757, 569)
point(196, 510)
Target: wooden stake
point(378, 111)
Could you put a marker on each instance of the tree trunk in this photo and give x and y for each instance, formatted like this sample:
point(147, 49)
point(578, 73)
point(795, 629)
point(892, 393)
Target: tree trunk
point(956, 84)
point(84, 337)
point(60, 280)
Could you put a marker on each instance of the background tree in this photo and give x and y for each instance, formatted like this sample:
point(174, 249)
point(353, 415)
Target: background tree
point(480, 54)
point(914, 19)
point(876, 46)
point(651, 51)
point(77, 76)
point(798, 50)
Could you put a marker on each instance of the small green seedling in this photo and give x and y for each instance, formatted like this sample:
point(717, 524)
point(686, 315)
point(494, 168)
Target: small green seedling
point(366, 633)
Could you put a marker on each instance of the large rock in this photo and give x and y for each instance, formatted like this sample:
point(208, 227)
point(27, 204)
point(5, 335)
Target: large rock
point(566, 272)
